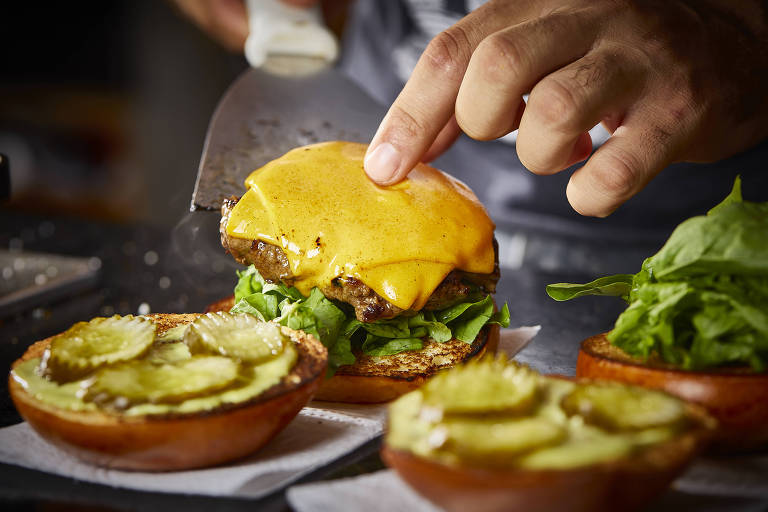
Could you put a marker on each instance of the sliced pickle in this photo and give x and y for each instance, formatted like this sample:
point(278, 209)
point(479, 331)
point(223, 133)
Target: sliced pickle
point(486, 386)
point(616, 407)
point(86, 346)
point(487, 439)
point(136, 382)
point(240, 336)
point(167, 352)
point(174, 333)
point(578, 453)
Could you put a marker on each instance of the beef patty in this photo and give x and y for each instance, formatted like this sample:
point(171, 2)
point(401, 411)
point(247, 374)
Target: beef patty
point(272, 264)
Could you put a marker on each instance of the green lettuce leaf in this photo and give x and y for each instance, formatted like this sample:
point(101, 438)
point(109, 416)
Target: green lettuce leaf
point(467, 325)
point(438, 331)
point(702, 300)
point(379, 346)
point(337, 328)
point(617, 286)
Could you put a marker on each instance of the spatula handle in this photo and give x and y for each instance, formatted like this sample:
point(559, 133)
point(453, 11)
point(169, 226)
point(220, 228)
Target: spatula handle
point(280, 29)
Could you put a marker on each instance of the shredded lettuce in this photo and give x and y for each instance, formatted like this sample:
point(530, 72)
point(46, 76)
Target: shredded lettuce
point(702, 300)
point(335, 325)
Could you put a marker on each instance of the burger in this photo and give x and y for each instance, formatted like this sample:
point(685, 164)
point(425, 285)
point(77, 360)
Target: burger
point(383, 286)
point(395, 281)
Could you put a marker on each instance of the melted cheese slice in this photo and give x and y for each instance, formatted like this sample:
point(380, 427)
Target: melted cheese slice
point(318, 205)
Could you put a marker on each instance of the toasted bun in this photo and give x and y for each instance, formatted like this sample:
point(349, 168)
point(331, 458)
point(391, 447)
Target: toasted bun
point(381, 379)
point(624, 484)
point(736, 397)
point(176, 441)
point(224, 304)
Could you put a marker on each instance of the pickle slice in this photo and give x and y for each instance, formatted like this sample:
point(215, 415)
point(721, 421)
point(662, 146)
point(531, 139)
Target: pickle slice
point(135, 382)
point(87, 346)
point(491, 385)
point(579, 453)
point(240, 336)
point(488, 440)
point(174, 333)
point(616, 407)
point(167, 352)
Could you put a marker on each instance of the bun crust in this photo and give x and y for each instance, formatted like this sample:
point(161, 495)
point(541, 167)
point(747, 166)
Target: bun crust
point(736, 397)
point(176, 441)
point(382, 379)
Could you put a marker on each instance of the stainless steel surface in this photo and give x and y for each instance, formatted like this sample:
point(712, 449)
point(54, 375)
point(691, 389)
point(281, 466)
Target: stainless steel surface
point(29, 278)
point(262, 116)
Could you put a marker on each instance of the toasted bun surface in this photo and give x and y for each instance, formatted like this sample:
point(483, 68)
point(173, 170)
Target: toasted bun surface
point(375, 379)
point(381, 379)
point(625, 484)
point(736, 397)
point(176, 441)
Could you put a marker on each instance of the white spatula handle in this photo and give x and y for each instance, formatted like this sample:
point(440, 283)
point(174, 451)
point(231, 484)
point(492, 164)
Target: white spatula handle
point(280, 29)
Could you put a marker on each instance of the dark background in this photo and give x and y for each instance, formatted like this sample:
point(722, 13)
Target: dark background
point(104, 106)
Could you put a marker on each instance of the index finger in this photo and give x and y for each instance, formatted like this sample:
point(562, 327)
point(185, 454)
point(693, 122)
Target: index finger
point(428, 100)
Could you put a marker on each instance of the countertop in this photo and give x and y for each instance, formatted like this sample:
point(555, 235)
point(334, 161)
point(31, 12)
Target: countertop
point(149, 269)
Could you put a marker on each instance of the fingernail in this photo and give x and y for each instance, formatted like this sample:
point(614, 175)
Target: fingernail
point(382, 163)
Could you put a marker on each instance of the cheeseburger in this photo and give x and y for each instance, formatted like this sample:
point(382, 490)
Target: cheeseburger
point(395, 281)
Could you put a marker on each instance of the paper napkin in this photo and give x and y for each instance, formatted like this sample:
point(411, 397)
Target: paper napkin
point(315, 438)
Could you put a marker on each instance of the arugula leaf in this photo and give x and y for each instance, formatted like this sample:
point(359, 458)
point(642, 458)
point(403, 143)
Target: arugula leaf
point(702, 300)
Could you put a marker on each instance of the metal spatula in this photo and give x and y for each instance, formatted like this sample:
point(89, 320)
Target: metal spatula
point(292, 100)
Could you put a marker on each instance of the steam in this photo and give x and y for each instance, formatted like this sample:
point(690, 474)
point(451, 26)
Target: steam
point(203, 264)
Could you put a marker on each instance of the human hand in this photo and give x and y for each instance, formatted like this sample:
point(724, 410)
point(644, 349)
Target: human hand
point(226, 21)
point(672, 80)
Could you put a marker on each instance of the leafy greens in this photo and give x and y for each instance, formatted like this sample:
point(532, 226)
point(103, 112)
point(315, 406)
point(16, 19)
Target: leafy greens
point(702, 300)
point(337, 328)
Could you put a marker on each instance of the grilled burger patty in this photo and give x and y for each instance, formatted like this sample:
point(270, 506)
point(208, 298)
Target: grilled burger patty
point(272, 264)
